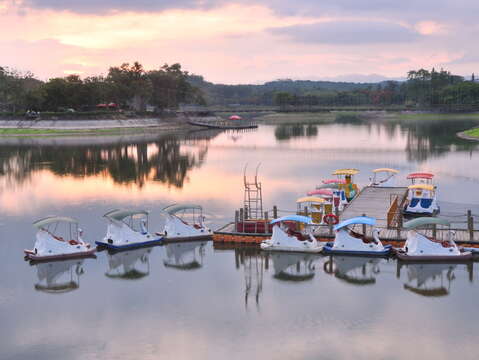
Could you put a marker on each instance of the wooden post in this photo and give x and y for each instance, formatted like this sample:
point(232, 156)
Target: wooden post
point(330, 226)
point(241, 214)
point(305, 211)
point(364, 227)
point(246, 216)
point(275, 212)
point(237, 259)
point(400, 223)
point(434, 231)
point(236, 220)
point(266, 222)
point(470, 225)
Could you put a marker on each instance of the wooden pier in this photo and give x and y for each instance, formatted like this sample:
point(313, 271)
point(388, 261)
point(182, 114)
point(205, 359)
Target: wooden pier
point(224, 125)
point(385, 204)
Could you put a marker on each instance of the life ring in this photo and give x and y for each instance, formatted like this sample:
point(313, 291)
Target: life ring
point(330, 219)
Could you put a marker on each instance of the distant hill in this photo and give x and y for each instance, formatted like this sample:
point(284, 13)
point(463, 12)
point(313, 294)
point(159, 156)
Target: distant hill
point(249, 94)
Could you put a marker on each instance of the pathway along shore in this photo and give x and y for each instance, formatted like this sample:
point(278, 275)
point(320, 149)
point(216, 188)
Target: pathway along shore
point(463, 135)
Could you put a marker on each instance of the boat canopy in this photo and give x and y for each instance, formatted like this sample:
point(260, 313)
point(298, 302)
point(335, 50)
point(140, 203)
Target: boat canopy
point(120, 214)
point(173, 209)
point(346, 172)
point(312, 199)
point(324, 192)
point(422, 187)
point(334, 181)
point(365, 220)
point(420, 175)
point(298, 218)
point(389, 170)
point(53, 219)
point(422, 221)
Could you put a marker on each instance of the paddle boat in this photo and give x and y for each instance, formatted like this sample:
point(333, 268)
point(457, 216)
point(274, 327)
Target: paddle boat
point(184, 255)
point(339, 196)
point(428, 279)
point(349, 242)
point(314, 206)
point(383, 177)
point(58, 237)
point(58, 277)
point(420, 247)
point(133, 264)
point(287, 235)
point(128, 229)
point(421, 201)
point(185, 222)
point(293, 267)
point(347, 184)
point(354, 270)
point(420, 178)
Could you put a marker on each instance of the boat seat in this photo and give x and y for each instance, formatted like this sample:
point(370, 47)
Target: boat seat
point(426, 203)
point(297, 234)
point(414, 202)
point(196, 226)
point(73, 242)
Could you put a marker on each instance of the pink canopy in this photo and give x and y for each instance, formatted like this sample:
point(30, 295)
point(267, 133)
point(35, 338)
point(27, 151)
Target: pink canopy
point(334, 181)
point(420, 176)
point(235, 117)
point(321, 192)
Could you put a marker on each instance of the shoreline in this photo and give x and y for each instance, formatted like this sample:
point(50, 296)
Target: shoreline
point(463, 135)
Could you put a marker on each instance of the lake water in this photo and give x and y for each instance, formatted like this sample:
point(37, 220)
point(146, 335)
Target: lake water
point(198, 301)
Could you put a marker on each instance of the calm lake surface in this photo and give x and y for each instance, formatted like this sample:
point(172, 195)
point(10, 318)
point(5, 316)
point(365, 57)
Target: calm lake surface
point(197, 301)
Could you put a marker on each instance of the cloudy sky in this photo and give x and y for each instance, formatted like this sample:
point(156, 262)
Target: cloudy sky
point(242, 41)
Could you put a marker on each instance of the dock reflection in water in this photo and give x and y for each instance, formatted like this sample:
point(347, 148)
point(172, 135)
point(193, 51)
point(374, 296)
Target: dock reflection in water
point(130, 264)
point(58, 277)
point(184, 255)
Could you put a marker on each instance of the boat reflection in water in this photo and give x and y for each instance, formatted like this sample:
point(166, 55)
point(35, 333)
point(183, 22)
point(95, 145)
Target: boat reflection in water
point(58, 277)
point(129, 265)
point(293, 267)
point(430, 279)
point(354, 270)
point(185, 255)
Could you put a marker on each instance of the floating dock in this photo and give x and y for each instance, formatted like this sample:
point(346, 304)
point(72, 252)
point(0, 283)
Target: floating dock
point(224, 125)
point(385, 204)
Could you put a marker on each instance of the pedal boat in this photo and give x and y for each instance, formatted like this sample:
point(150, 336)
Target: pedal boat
point(421, 201)
point(338, 197)
point(52, 240)
point(383, 177)
point(346, 185)
point(287, 238)
point(128, 229)
point(185, 222)
point(349, 242)
point(419, 247)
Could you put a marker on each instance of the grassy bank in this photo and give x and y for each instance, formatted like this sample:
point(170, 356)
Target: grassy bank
point(472, 132)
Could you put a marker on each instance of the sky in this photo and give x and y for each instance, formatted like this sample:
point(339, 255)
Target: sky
point(242, 41)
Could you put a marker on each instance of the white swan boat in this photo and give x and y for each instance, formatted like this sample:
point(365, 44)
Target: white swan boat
point(128, 229)
point(419, 247)
point(185, 222)
point(58, 237)
point(349, 242)
point(383, 177)
point(288, 235)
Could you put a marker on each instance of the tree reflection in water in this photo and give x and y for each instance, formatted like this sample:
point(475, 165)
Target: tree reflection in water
point(162, 159)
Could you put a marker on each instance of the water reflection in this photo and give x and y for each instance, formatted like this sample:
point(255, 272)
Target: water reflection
point(293, 267)
point(184, 255)
point(354, 270)
point(430, 280)
point(289, 131)
point(58, 277)
point(163, 158)
point(129, 265)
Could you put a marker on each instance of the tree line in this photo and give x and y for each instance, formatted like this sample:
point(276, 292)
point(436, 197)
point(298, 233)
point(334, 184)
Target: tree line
point(126, 86)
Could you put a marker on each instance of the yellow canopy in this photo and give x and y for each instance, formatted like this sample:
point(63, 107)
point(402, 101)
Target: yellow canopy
point(386, 170)
point(346, 172)
point(422, 187)
point(310, 199)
